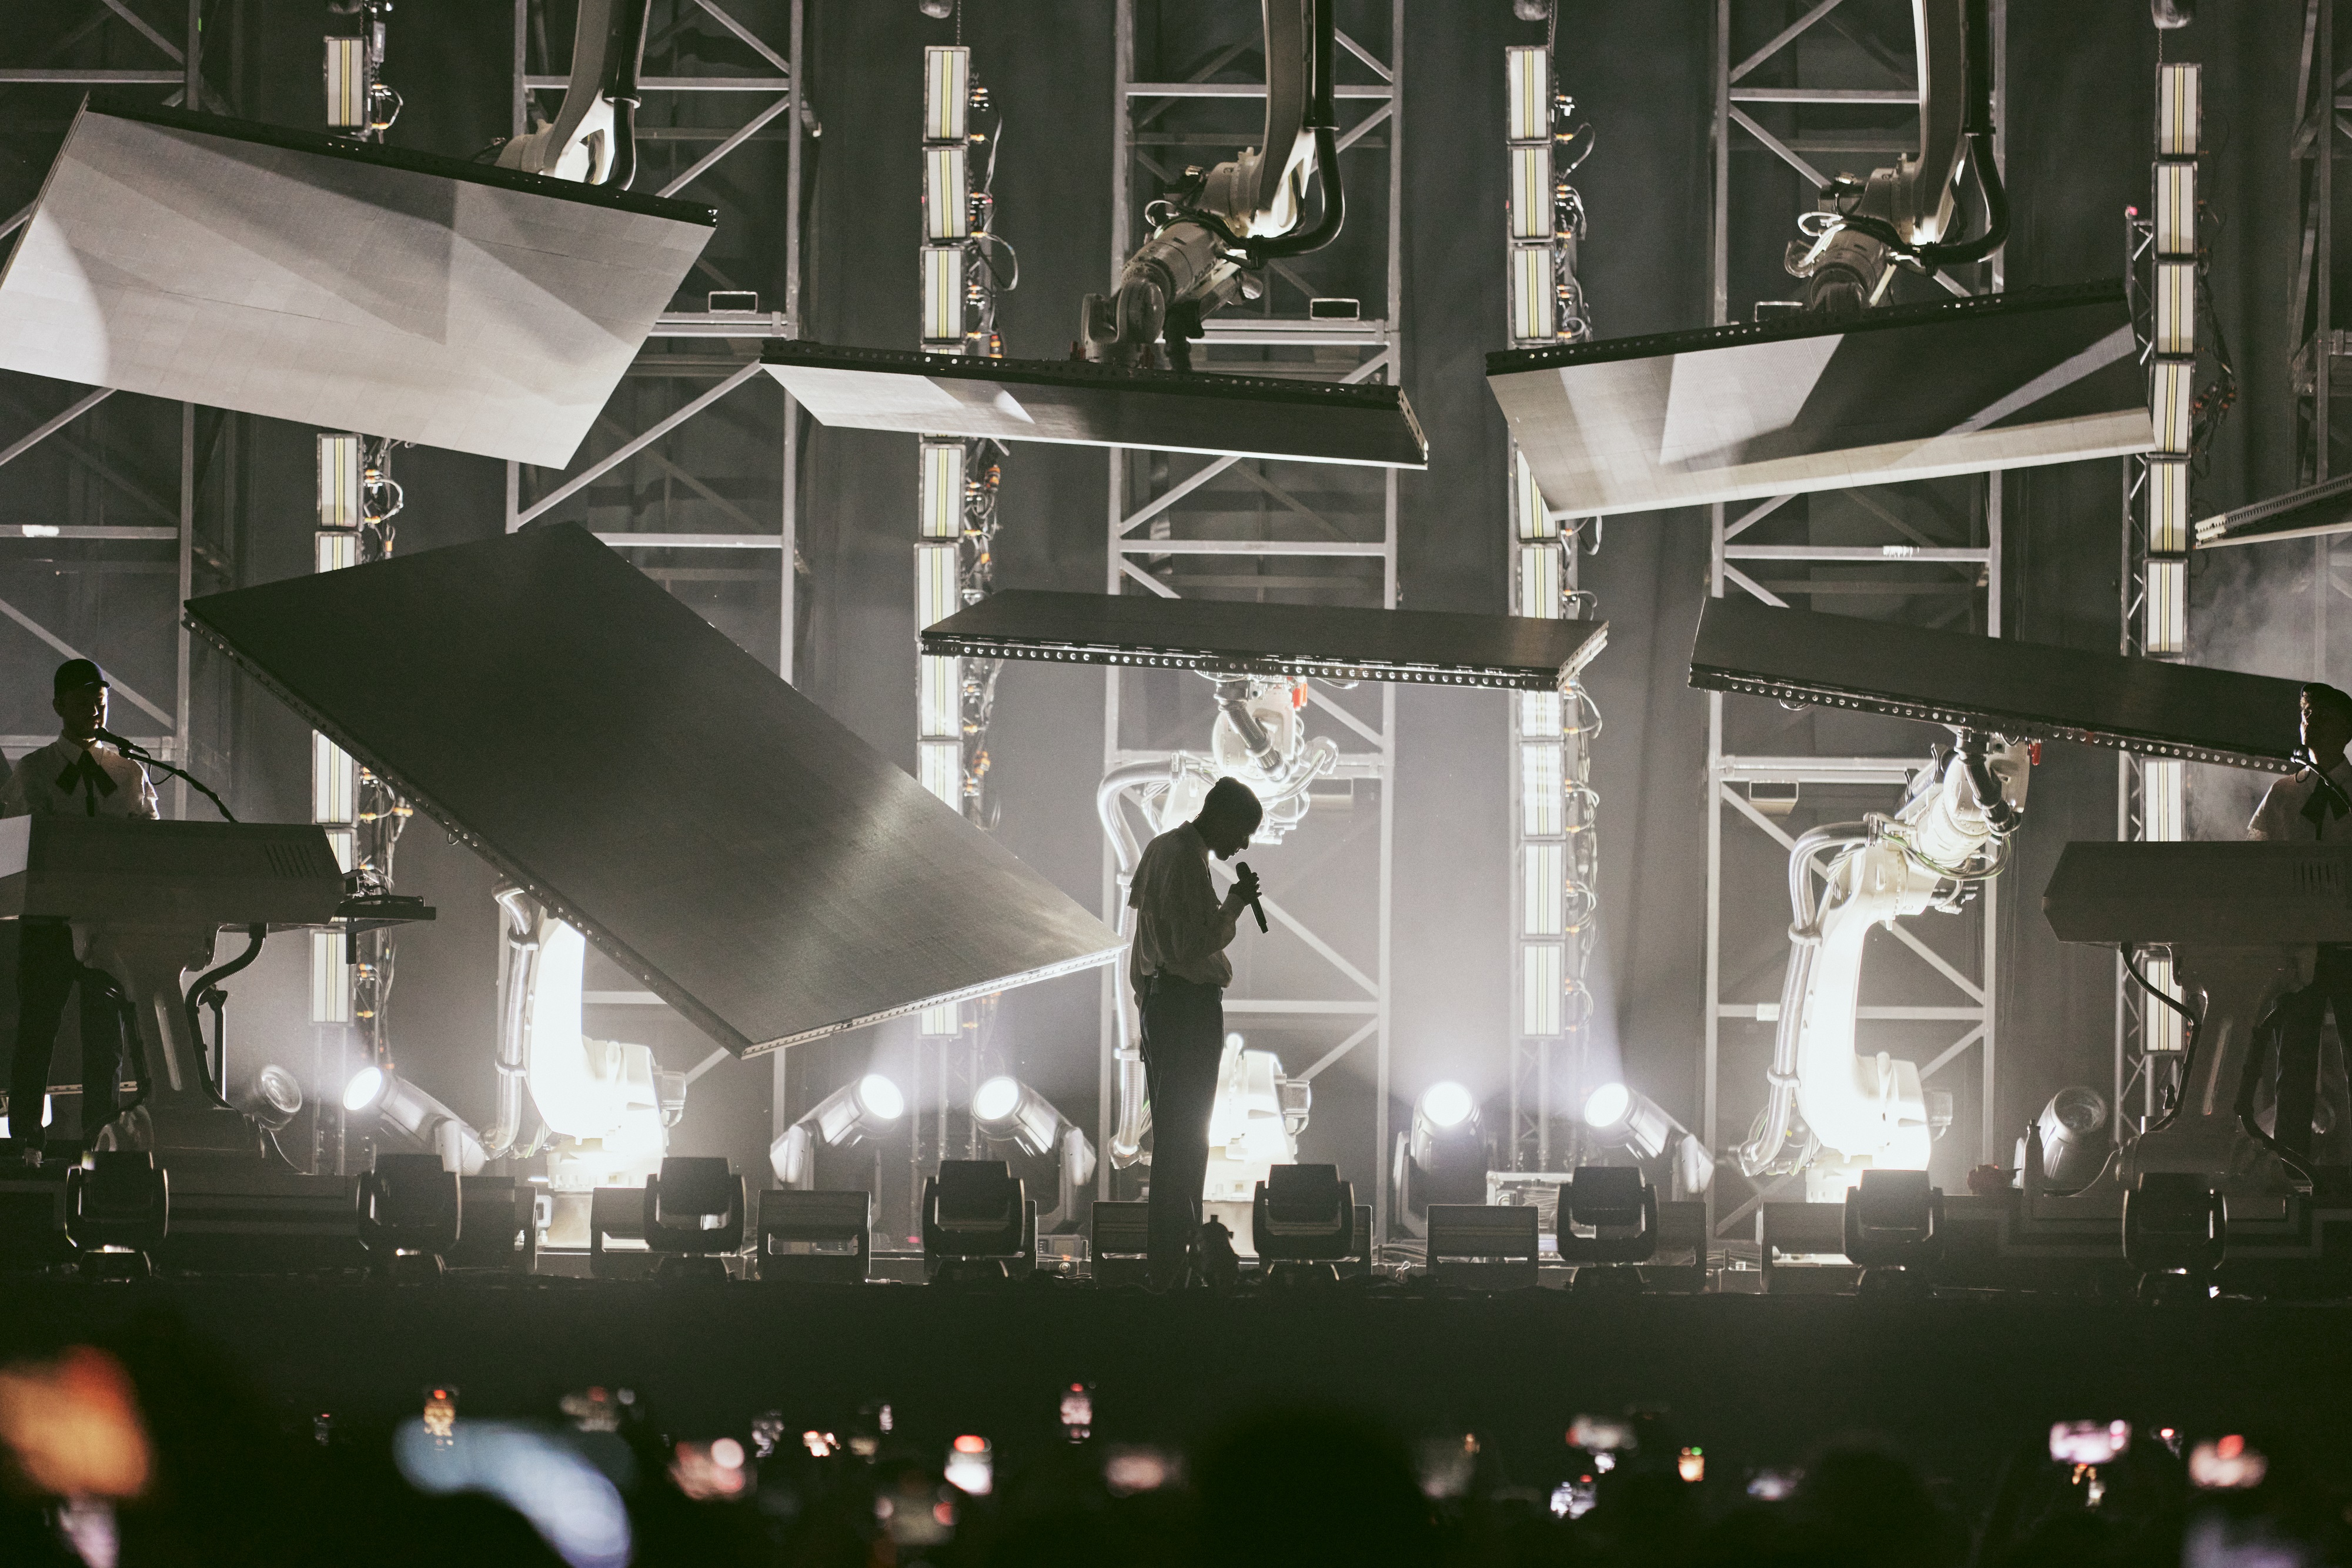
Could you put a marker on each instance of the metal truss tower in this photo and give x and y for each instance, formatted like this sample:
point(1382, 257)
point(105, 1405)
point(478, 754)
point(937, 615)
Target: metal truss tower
point(1231, 525)
point(100, 552)
point(1555, 852)
point(1818, 86)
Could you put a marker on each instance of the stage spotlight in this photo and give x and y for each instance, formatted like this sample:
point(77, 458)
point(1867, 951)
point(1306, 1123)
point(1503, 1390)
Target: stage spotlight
point(1303, 1222)
point(865, 1109)
point(694, 1217)
point(118, 1209)
point(1005, 1107)
point(977, 1219)
point(1606, 1106)
point(2176, 1232)
point(276, 1098)
point(416, 1115)
point(1631, 1120)
point(1443, 1159)
point(412, 1212)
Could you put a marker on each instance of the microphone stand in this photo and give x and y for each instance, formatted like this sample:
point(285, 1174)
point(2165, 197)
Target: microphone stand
point(139, 753)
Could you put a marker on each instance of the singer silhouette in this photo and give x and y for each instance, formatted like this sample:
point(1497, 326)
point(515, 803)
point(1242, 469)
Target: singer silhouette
point(75, 775)
point(1180, 971)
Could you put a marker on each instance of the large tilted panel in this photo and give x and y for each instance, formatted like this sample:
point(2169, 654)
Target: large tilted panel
point(1091, 405)
point(1728, 414)
point(318, 279)
point(2020, 689)
point(1427, 646)
point(722, 836)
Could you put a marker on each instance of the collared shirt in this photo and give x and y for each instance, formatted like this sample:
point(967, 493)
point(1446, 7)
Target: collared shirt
point(2280, 819)
point(53, 781)
point(1181, 924)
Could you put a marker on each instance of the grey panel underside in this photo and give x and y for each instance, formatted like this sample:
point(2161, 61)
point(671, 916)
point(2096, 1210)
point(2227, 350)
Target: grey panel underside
point(1053, 400)
point(2211, 894)
point(207, 267)
point(2020, 689)
point(721, 836)
point(1731, 413)
point(1426, 646)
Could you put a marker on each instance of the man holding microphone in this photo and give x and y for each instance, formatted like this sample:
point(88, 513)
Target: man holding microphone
point(1180, 971)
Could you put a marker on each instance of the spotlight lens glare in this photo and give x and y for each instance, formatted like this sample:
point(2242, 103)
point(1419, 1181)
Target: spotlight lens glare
point(996, 1099)
point(1606, 1106)
point(1446, 1105)
point(365, 1087)
point(881, 1097)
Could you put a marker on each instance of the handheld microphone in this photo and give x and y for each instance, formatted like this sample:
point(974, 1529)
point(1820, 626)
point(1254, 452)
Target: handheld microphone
point(128, 748)
point(1256, 907)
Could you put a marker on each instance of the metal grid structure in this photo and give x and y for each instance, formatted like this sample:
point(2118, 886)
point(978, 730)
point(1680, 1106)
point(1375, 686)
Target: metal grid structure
point(734, 320)
point(1555, 849)
point(1819, 86)
point(2165, 264)
point(79, 548)
point(956, 489)
point(1172, 521)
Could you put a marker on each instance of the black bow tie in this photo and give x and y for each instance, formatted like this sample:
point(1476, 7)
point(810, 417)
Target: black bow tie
point(94, 780)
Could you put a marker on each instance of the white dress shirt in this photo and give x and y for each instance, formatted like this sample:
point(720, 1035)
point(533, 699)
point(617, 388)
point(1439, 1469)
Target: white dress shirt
point(2280, 819)
point(52, 783)
point(1181, 927)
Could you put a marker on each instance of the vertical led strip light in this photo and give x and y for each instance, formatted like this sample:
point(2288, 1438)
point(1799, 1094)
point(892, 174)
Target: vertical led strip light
point(334, 777)
point(1553, 864)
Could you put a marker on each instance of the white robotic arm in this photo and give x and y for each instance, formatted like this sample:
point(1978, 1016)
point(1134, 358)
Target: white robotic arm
point(1234, 218)
point(1949, 835)
point(1902, 214)
point(593, 138)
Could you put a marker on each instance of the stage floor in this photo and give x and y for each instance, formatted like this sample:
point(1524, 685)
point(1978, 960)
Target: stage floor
point(1955, 1384)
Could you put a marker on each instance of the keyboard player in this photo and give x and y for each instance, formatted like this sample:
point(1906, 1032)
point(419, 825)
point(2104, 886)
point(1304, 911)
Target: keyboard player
point(2314, 802)
point(77, 774)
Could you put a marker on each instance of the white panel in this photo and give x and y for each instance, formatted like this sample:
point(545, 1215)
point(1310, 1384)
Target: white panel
point(330, 979)
point(334, 552)
point(1527, 73)
point(1531, 202)
point(333, 291)
point(947, 203)
point(2175, 209)
point(942, 295)
point(942, 489)
point(1533, 302)
point(2159, 1025)
point(1539, 595)
point(2162, 812)
point(943, 1020)
point(341, 469)
point(1543, 892)
point(347, 95)
point(2178, 114)
point(1533, 517)
point(2164, 624)
point(2172, 390)
point(1541, 802)
point(939, 710)
point(940, 767)
point(936, 597)
point(2168, 505)
point(2176, 308)
point(1539, 976)
point(947, 92)
point(1540, 714)
point(334, 782)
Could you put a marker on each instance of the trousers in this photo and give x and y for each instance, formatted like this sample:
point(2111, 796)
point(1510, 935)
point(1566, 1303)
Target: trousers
point(47, 973)
point(1183, 1041)
point(2297, 1019)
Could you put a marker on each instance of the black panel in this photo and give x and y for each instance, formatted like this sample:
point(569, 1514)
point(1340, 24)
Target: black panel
point(1428, 646)
point(721, 836)
point(2209, 894)
point(2021, 689)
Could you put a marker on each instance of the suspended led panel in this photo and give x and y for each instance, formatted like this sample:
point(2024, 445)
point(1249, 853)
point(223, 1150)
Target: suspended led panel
point(337, 283)
point(1526, 72)
point(1535, 303)
point(2172, 396)
point(1540, 971)
point(838, 893)
point(947, 91)
point(334, 782)
point(2162, 802)
point(1429, 647)
point(1531, 200)
point(2168, 505)
point(2164, 625)
point(1544, 897)
point(341, 469)
point(1533, 518)
point(2180, 114)
point(1539, 597)
point(2176, 308)
point(1541, 801)
point(2025, 690)
point(947, 204)
point(942, 487)
point(335, 550)
point(943, 295)
point(936, 597)
point(1793, 406)
point(331, 979)
point(1061, 401)
point(940, 764)
point(937, 709)
point(347, 84)
point(2175, 208)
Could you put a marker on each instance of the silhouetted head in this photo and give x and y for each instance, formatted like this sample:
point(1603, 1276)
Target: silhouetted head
point(1231, 814)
